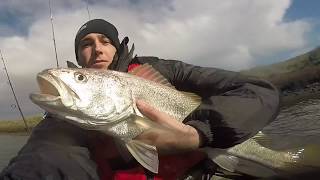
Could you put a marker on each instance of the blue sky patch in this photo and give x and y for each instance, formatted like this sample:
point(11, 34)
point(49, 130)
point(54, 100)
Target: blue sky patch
point(14, 22)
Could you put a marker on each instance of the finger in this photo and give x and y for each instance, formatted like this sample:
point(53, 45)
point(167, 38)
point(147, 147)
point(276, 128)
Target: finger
point(154, 114)
point(148, 110)
point(158, 116)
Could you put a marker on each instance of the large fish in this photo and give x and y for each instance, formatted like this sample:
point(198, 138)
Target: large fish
point(104, 100)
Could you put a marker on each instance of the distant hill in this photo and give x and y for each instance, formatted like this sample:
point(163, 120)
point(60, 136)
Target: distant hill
point(309, 59)
point(298, 76)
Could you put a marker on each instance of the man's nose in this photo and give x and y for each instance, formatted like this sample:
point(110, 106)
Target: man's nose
point(98, 47)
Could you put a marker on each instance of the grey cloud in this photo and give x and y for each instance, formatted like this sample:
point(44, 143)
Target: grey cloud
point(16, 16)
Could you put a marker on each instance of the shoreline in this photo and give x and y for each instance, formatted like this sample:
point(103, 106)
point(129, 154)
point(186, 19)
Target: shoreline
point(17, 127)
point(14, 134)
point(291, 97)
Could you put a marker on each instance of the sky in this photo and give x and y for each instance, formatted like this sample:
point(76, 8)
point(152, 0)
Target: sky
point(229, 34)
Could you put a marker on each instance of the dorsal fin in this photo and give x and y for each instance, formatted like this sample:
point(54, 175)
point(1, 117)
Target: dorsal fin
point(146, 71)
point(196, 98)
point(71, 65)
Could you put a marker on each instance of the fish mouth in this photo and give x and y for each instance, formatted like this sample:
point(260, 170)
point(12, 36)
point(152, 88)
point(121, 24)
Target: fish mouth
point(53, 91)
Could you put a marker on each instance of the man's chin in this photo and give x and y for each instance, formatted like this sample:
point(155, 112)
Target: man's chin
point(100, 65)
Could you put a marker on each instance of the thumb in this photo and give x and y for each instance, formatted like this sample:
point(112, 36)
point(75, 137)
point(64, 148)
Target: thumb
point(157, 116)
point(149, 111)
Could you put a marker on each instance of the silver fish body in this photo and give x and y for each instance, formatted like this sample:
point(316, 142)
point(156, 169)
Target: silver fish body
point(104, 100)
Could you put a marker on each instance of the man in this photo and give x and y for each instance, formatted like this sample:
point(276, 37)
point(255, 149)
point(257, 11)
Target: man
point(233, 109)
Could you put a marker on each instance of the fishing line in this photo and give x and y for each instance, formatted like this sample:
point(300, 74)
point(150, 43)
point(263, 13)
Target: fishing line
point(87, 4)
point(14, 94)
point(53, 36)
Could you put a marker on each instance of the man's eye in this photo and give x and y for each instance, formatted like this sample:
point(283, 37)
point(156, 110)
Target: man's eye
point(105, 41)
point(85, 44)
point(80, 77)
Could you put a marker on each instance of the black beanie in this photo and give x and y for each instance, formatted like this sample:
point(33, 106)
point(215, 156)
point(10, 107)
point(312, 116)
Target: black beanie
point(97, 26)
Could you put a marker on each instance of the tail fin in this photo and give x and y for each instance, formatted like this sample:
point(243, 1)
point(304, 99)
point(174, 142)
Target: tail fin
point(308, 156)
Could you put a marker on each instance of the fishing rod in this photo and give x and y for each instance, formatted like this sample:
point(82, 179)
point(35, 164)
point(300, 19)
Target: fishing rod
point(14, 94)
point(87, 3)
point(53, 36)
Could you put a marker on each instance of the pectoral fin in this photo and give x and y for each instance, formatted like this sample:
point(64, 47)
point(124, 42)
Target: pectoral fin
point(145, 154)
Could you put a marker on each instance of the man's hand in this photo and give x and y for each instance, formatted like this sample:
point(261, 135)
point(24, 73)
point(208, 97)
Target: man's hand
point(171, 136)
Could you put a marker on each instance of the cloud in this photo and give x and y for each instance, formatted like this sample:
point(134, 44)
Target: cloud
point(227, 34)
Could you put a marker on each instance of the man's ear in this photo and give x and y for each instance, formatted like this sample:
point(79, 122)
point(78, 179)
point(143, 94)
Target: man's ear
point(71, 65)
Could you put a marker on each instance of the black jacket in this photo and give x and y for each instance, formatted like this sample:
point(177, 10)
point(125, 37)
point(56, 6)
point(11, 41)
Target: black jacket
point(234, 108)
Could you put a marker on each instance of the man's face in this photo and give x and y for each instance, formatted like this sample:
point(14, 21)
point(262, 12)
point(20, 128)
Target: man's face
point(96, 51)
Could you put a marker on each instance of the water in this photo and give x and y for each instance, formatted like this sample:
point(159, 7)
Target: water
point(296, 126)
point(9, 147)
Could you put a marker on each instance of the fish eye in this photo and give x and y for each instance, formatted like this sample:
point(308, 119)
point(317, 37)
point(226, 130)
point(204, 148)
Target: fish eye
point(80, 77)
